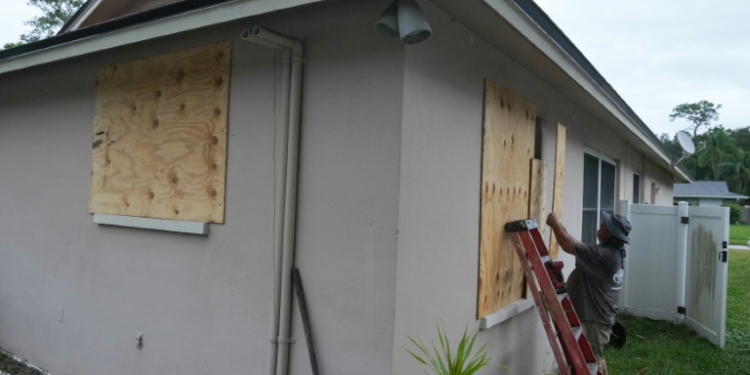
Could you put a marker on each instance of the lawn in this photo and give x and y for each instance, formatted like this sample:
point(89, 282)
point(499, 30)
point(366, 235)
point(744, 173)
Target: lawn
point(663, 348)
point(738, 234)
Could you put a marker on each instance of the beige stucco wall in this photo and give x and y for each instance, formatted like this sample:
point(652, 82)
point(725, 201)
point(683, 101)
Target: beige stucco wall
point(388, 223)
point(658, 177)
point(437, 269)
point(204, 304)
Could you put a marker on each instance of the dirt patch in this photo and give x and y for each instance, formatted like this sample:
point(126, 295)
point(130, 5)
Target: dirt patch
point(13, 367)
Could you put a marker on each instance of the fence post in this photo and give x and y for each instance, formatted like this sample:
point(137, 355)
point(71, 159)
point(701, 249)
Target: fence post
point(623, 300)
point(681, 260)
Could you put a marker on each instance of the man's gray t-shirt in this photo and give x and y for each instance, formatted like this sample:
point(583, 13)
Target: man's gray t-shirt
point(595, 283)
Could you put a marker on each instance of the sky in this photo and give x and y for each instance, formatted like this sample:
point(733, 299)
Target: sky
point(656, 54)
point(12, 15)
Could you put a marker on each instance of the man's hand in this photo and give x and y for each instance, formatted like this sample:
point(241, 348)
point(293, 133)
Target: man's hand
point(566, 241)
point(552, 220)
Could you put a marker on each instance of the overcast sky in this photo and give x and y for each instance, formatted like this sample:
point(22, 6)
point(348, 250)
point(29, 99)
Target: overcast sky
point(658, 53)
point(655, 53)
point(12, 15)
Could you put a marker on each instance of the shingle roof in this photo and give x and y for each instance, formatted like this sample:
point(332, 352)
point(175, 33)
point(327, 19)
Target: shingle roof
point(705, 189)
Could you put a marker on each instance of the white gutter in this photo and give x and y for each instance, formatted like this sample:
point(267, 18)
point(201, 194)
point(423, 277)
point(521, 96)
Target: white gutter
point(284, 260)
point(536, 36)
point(155, 29)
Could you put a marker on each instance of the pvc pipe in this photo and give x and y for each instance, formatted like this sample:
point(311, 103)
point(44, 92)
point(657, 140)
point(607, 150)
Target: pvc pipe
point(279, 211)
point(681, 261)
point(279, 356)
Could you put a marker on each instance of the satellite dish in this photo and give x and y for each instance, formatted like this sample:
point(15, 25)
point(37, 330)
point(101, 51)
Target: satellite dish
point(687, 145)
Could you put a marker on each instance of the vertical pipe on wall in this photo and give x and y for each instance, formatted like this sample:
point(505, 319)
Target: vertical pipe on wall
point(279, 209)
point(681, 260)
point(284, 259)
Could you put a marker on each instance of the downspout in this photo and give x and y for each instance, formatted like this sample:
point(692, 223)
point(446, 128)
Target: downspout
point(284, 259)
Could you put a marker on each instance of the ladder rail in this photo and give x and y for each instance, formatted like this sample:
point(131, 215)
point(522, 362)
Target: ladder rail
point(574, 353)
point(555, 310)
point(537, 295)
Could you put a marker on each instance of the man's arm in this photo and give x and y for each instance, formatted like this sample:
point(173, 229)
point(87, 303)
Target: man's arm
point(565, 240)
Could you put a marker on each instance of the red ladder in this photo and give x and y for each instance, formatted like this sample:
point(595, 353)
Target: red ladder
point(569, 342)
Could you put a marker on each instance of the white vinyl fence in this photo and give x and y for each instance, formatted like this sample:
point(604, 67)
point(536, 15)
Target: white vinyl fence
point(676, 265)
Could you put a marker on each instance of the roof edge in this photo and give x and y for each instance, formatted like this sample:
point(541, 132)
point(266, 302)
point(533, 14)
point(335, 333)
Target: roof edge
point(541, 31)
point(174, 18)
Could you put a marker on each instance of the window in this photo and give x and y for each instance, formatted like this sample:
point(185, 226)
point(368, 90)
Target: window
point(598, 193)
point(636, 188)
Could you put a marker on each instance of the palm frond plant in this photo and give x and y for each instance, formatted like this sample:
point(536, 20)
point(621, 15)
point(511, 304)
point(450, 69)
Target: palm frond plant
point(442, 361)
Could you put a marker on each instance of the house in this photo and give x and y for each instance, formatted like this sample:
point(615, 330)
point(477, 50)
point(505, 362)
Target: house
point(706, 193)
point(389, 197)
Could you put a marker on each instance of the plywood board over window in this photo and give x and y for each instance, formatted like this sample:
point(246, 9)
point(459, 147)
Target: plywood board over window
point(160, 136)
point(507, 148)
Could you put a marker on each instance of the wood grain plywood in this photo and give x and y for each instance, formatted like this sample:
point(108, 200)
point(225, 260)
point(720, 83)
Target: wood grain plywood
point(507, 147)
point(557, 190)
point(160, 136)
point(538, 192)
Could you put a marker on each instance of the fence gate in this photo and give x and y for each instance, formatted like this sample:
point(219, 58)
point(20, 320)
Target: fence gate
point(674, 266)
point(706, 287)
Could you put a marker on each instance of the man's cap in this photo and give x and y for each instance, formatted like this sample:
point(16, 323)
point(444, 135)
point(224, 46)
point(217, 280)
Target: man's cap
point(618, 226)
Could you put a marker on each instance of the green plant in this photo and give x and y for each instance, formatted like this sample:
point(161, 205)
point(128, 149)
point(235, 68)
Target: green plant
point(443, 362)
point(735, 213)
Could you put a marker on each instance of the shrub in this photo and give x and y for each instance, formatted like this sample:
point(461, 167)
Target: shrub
point(735, 213)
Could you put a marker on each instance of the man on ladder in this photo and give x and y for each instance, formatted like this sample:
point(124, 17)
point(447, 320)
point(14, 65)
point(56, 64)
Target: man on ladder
point(595, 283)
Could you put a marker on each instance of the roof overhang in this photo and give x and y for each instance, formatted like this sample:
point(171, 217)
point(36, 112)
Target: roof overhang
point(159, 22)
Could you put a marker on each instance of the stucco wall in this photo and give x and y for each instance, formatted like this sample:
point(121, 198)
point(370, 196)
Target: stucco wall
point(188, 295)
point(204, 304)
point(388, 222)
point(659, 178)
point(437, 269)
point(349, 176)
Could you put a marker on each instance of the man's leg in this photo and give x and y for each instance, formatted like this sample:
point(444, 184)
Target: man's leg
point(598, 335)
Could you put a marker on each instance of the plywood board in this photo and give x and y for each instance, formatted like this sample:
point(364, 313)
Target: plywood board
point(160, 136)
point(557, 190)
point(538, 192)
point(507, 147)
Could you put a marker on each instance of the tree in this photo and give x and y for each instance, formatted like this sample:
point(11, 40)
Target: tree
point(701, 114)
point(719, 148)
point(55, 14)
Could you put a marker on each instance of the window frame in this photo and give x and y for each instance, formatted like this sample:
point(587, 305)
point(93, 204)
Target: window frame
point(601, 158)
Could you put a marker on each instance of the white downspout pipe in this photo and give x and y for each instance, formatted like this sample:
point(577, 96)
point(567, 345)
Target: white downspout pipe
point(284, 259)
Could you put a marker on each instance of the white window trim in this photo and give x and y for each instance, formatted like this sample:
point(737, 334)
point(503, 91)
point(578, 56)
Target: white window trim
point(190, 227)
point(506, 312)
point(599, 155)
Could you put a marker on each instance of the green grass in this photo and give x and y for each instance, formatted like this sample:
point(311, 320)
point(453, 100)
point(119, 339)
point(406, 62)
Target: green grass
point(667, 349)
point(738, 234)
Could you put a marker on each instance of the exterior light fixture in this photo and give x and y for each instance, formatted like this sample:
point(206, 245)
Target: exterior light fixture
point(404, 20)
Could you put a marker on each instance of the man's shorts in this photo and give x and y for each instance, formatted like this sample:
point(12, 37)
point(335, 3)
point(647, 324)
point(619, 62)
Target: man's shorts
point(598, 335)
